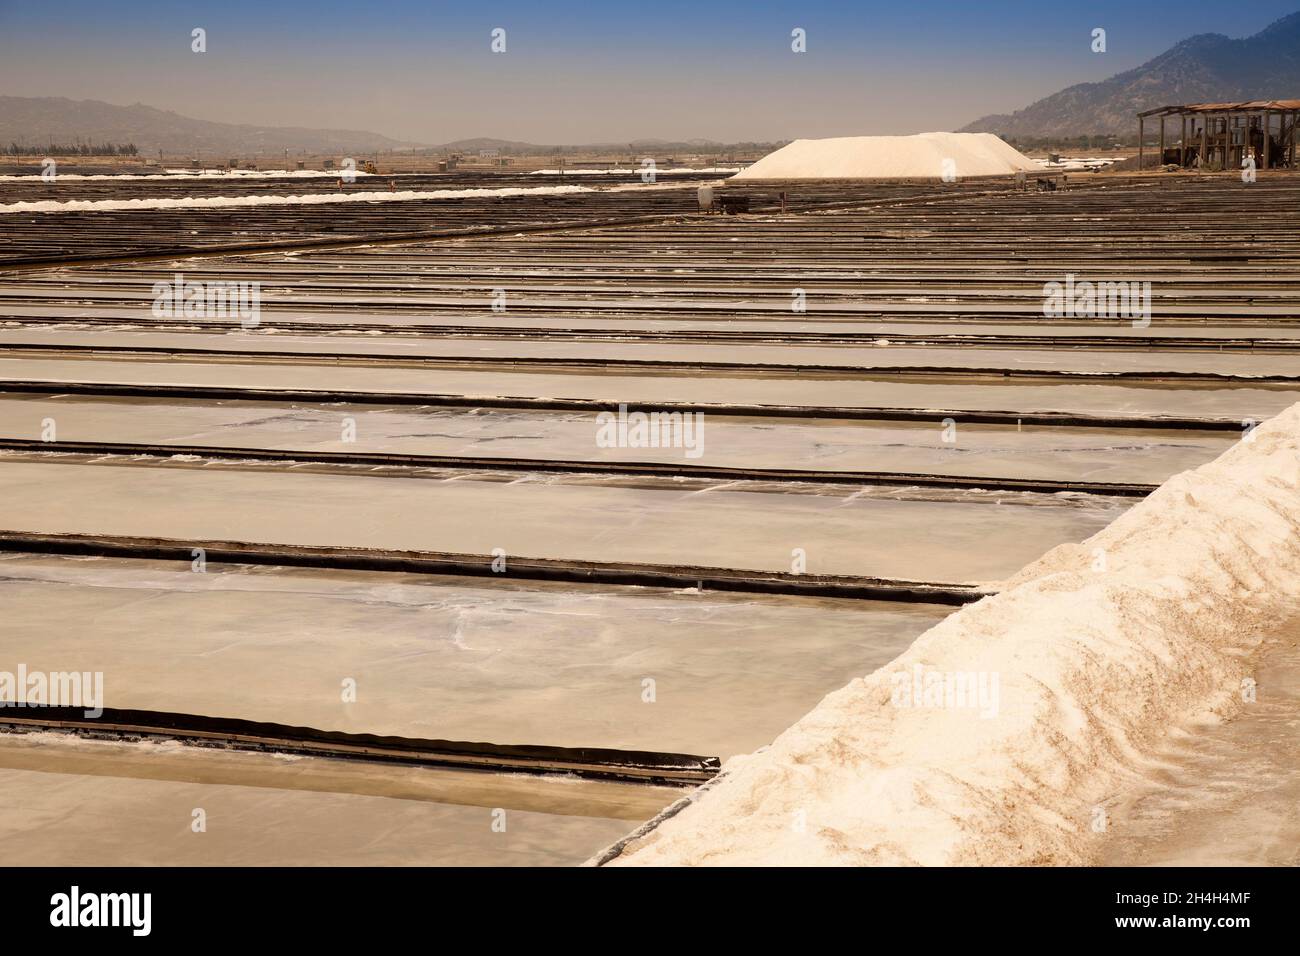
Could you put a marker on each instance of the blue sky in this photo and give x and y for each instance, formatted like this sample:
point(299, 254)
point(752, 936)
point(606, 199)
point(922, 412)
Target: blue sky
point(581, 72)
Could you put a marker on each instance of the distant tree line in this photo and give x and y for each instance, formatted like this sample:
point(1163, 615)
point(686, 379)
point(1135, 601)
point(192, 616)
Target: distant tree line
point(73, 149)
point(1092, 141)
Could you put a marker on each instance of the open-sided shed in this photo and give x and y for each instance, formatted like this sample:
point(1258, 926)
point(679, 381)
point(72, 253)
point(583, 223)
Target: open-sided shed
point(1224, 134)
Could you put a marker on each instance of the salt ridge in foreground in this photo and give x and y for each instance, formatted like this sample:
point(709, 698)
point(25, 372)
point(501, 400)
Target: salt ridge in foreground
point(1099, 650)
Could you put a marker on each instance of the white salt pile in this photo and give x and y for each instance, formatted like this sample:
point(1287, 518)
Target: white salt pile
point(1082, 665)
point(1078, 163)
point(923, 156)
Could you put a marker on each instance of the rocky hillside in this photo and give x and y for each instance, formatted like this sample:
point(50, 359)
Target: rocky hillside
point(1209, 67)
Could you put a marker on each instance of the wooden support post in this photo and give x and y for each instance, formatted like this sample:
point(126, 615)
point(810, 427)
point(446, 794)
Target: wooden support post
point(1161, 160)
point(1182, 141)
point(1204, 143)
point(1141, 147)
point(1268, 137)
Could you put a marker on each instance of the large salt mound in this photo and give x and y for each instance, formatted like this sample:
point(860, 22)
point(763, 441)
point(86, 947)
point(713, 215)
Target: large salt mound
point(1101, 649)
point(921, 156)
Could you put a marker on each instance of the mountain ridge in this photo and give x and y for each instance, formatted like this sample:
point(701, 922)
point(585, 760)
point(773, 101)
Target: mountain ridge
point(37, 121)
point(1205, 67)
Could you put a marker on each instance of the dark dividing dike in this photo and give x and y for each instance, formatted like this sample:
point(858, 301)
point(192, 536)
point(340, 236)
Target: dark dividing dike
point(434, 400)
point(228, 733)
point(291, 457)
point(648, 366)
point(370, 225)
point(506, 333)
point(480, 565)
point(19, 263)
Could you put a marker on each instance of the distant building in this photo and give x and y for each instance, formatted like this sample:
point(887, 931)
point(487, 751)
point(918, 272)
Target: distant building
point(1224, 134)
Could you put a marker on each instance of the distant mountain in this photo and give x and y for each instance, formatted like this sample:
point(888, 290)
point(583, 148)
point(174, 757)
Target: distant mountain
point(38, 120)
point(1207, 68)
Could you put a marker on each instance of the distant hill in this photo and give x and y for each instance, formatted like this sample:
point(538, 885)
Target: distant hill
point(1208, 67)
point(39, 120)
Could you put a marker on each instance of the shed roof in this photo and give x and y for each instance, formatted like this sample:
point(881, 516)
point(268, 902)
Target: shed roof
point(1248, 106)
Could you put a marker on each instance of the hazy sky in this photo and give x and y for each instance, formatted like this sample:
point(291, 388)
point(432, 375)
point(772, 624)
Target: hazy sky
point(582, 72)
